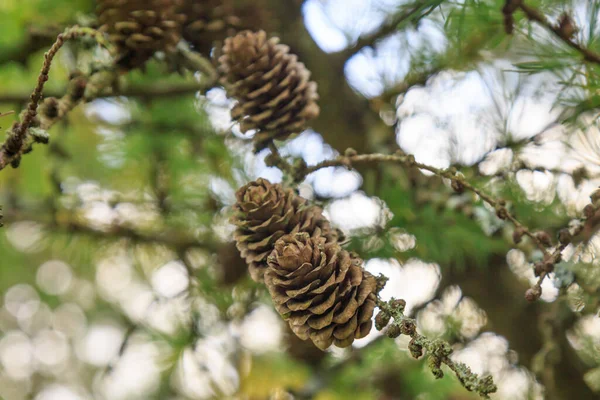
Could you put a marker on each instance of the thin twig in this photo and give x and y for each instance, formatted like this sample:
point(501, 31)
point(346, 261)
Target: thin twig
point(410, 14)
point(14, 145)
point(536, 15)
point(458, 182)
point(565, 237)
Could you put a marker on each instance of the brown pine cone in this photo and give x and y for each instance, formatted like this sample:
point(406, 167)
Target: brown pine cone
point(264, 213)
point(208, 21)
point(322, 292)
point(139, 28)
point(274, 93)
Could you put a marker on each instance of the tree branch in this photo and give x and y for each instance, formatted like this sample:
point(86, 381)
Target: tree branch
point(86, 88)
point(15, 144)
point(438, 351)
point(459, 183)
point(563, 34)
point(410, 13)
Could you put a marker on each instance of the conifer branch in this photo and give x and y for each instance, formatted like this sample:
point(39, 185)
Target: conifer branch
point(437, 351)
point(458, 182)
point(565, 237)
point(409, 14)
point(541, 239)
point(99, 84)
point(15, 145)
point(564, 31)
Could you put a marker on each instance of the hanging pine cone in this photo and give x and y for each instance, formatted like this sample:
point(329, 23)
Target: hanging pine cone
point(266, 212)
point(274, 93)
point(208, 21)
point(322, 292)
point(139, 28)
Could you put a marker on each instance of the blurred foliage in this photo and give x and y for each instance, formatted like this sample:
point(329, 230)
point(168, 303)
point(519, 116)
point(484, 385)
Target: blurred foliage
point(130, 186)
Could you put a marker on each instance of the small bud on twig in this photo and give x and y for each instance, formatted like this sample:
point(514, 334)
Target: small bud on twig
point(544, 238)
point(538, 268)
point(533, 294)
point(393, 331)
point(416, 350)
point(501, 211)
point(595, 196)
point(457, 186)
point(589, 211)
point(381, 320)
point(566, 26)
point(398, 304)
point(517, 235)
point(350, 152)
point(564, 236)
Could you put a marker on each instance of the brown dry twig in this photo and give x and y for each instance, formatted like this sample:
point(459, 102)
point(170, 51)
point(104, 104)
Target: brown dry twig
point(458, 182)
point(16, 143)
point(564, 30)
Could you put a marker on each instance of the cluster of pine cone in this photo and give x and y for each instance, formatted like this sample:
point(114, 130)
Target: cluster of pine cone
point(319, 288)
point(275, 95)
point(139, 28)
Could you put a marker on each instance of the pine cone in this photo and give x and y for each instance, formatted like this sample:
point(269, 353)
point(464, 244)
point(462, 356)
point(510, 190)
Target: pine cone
point(139, 28)
point(208, 21)
point(266, 212)
point(322, 292)
point(275, 96)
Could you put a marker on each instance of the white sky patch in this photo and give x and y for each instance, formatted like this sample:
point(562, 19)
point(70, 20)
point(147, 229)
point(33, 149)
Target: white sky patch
point(318, 24)
point(51, 348)
point(170, 279)
point(207, 370)
point(136, 374)
point(22, 301)
point(54, 277)
point(100, 344)
point(414, 281)
point(355, 212)
point(261, 330)
point(113, 276)
point(61, 392)
point(16, 355)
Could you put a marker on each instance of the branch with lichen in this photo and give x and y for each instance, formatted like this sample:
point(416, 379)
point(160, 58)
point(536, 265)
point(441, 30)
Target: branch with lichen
point(437, 351)
point(541, 239)
point(16, 143)
point(100, 83)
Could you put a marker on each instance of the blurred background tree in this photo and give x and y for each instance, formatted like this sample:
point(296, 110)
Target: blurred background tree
point(118, 273)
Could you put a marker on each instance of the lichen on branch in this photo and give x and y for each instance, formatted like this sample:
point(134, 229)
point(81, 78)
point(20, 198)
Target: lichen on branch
point(437, 351)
